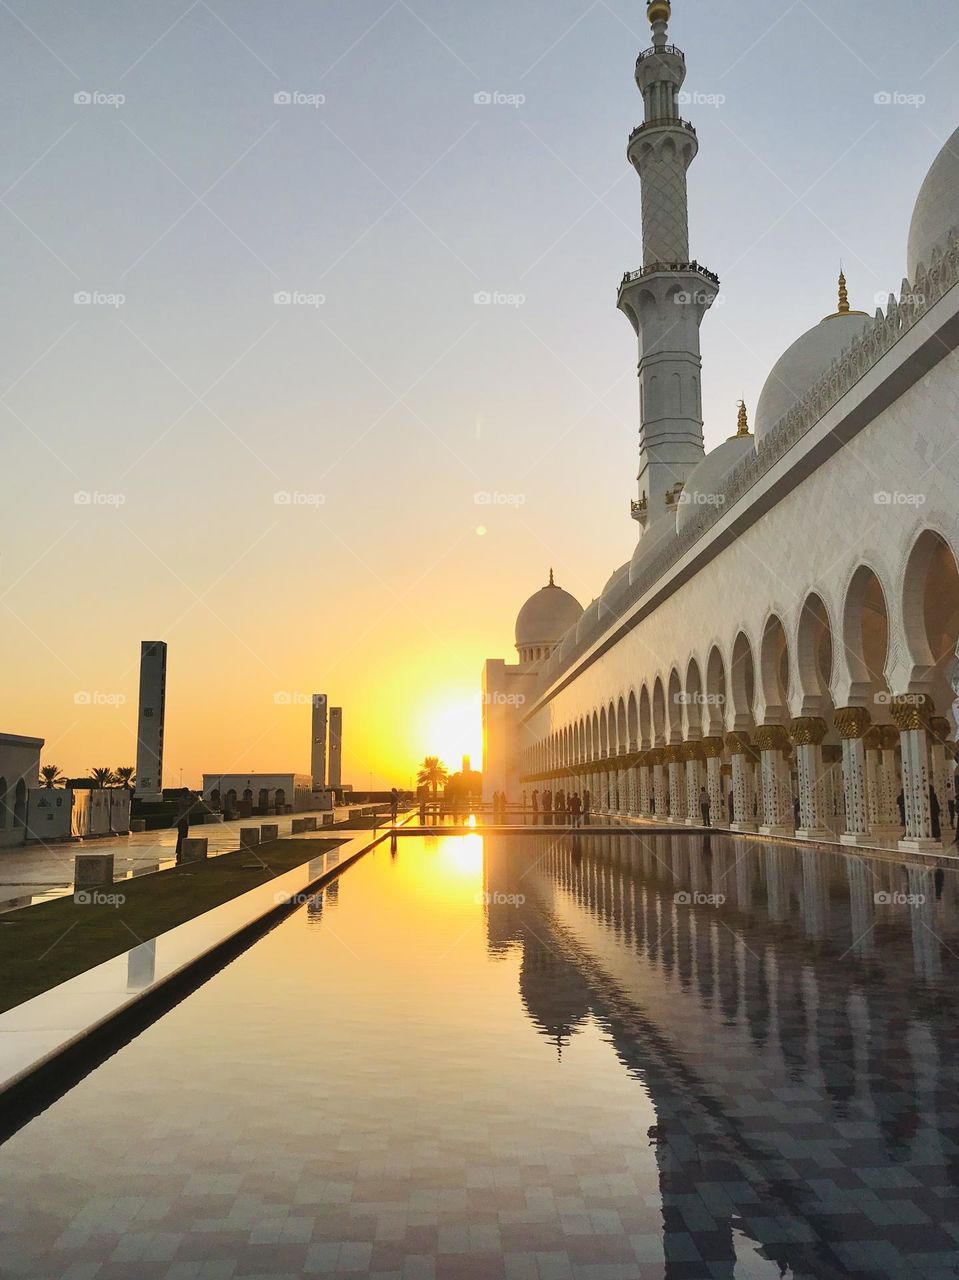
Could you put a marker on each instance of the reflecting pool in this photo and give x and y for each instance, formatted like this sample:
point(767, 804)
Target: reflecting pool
point(533, 1057)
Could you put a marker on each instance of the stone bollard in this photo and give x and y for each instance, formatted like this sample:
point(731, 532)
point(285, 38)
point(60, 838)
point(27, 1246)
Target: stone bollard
point(194, 849)
point(249, 837)
point(138, 824)
point(327, 819)
point(92, 870)
point(269, 831)
point(309, 824)
point(297, 827)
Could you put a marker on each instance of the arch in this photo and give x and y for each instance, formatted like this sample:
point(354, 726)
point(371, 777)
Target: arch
point(596, 739)
point(742, 684)
point(645, 719)
point(865, 640)
point(215, 798)
point(263, 798)
point(231, 798)
point(603, 735)
point(715, 692)
point(632, 721)
point(774, 672)
point(930, 616)
point(814, 657)
point(279, 798)
point(693, 699)
point(659, 714)
point(674, 707)
point(622, 731)
point(248, 795)
point(3, 803)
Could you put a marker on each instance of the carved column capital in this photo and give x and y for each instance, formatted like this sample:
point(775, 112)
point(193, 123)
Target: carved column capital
point(807, 731)
point(694, 750)
point(739, 744)
point(911, 711)
point(713, 747)
point(852, 722)
point(772, 737)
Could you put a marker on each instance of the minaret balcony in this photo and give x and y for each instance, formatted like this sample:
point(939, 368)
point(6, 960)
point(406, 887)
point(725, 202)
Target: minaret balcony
point(660, 122)
point(654, 52)
point(659, 268)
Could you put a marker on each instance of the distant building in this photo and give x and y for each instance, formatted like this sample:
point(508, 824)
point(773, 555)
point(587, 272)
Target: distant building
point(277, 792)
point(19, 771)
point(150, 720)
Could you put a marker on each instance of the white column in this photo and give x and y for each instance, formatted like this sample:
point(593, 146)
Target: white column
point(852, 723)
point(740, 750)
point(713, 747)
point(677, 785)
point(882, 815)
point(695, 781)
point(659, 787)
point(632, 791)
point(911, 714)
point(776, 817)
point(645, 790)
point(807, 733)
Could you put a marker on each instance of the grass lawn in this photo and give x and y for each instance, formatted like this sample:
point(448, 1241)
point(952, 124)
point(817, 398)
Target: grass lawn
point(43, 945)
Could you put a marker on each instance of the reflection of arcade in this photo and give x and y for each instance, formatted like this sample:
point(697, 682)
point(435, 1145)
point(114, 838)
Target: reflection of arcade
point(804, 1081)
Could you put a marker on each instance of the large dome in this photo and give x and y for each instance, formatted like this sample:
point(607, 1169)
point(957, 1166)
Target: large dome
point(803, 364)
point(546, 616)
point(937, 208)
point(704, 485)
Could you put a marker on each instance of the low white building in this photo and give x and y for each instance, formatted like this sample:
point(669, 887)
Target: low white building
point(280, 792)
point(19, 771)
point(75, 813)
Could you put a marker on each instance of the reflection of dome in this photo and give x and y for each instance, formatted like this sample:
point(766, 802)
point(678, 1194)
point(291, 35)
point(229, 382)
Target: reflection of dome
point(704, 486)
point(544, 619)
point(937, 208)
point(804, 363)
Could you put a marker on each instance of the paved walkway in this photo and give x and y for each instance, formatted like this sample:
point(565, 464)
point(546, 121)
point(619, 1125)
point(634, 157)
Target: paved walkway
point(33, 873)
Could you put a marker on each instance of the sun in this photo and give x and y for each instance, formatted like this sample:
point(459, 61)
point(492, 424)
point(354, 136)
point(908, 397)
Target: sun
point(453, 728)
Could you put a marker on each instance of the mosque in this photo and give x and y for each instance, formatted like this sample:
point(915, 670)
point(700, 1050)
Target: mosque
point(817, 700)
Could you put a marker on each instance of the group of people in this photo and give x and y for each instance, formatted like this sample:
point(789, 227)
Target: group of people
point(560, 808)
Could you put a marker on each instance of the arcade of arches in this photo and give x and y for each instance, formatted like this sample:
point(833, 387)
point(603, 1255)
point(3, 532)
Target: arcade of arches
point(840, 728)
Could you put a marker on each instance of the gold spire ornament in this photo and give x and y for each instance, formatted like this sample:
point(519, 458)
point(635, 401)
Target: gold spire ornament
point(551, 582)
point(843, 295)
point(658, 11)
point(742, 422)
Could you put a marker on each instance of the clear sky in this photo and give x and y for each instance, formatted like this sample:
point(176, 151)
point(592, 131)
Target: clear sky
point(182, 399)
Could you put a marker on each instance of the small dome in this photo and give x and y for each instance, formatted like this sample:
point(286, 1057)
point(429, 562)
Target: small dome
point(587, 622)
point(546, 616)
point(804, 363)
point(616, 578)
point(704, 486)
point(652, 542)
point(937, 208)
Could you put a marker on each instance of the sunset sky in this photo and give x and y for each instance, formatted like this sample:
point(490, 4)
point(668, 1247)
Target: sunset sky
point(285, 491)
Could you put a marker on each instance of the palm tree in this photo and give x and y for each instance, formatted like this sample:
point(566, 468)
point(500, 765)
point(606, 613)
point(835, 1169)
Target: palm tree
point(50, 776)
point(102, 777)
point(126, 776)
point(432, 774)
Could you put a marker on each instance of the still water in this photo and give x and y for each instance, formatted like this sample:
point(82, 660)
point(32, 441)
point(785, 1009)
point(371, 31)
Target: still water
point(533, 1058)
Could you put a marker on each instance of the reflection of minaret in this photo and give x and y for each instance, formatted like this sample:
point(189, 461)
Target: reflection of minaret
point(666, 300)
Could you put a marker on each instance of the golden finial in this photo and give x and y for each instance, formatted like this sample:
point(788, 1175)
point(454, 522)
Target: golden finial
point(551, 582)
point(843, 295)
point(742, 422)
point(658, 11)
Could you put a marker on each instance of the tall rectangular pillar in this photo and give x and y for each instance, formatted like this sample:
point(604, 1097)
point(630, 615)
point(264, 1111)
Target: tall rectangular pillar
point(150, 720)
point(336, 747)
point(318, 750)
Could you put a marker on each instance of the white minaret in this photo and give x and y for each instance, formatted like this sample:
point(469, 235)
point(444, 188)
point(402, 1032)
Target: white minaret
point(318, 748)
point(667, 299)
point(151, 718)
